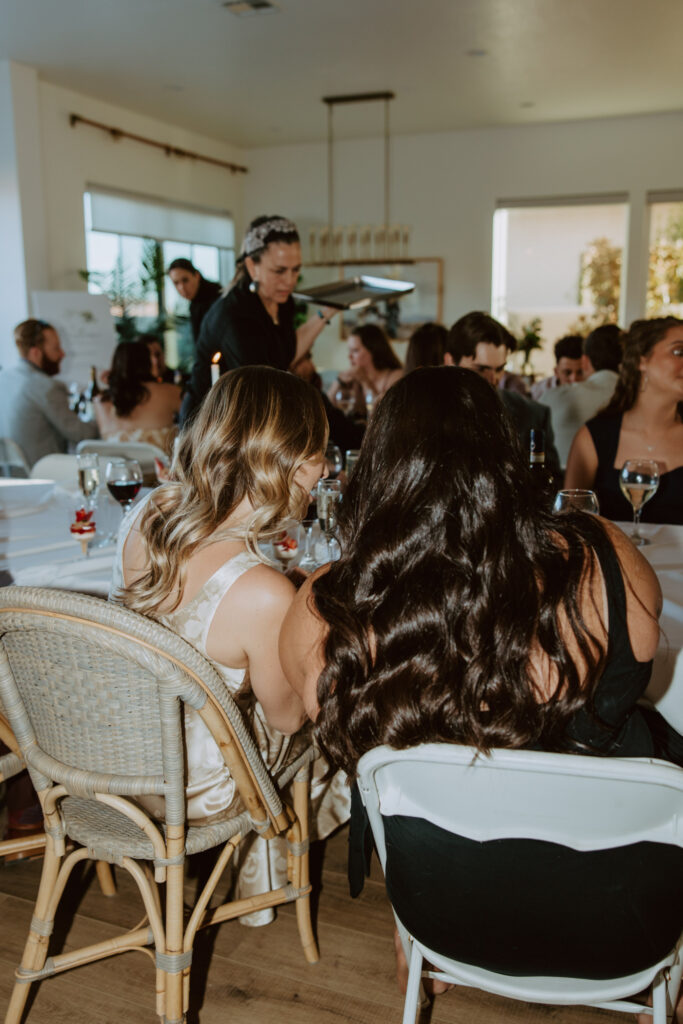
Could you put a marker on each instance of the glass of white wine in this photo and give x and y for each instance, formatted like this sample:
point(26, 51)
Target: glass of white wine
point(89, 478)
point(639, 480)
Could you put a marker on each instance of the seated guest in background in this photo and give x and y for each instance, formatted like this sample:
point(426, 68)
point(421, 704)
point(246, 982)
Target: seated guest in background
point(426, 346)
point(200, 293)
point(644, 420)
point(374, 367)
point(136, 407)
point(478, 342)
point(568, 366)
point(161, 373)
point(34, 407)
point(253, 325)
point(189, 558)
point(461, 611)
point(344, 432)
point(571, 407)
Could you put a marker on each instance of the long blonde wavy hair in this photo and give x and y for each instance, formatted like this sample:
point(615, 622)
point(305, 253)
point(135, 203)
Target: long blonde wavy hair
point(251, 434)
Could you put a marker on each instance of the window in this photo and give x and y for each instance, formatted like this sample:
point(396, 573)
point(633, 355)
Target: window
point(665, 263)
point(130, 241)
point(559, 261)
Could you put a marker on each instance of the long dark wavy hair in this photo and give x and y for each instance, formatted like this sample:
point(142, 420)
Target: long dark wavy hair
point(131, 370)
point(639, 340)
point(451, 574)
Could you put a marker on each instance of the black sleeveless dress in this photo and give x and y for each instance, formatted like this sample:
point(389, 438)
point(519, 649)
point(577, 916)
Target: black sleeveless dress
point(667, 504)
point(526, 907)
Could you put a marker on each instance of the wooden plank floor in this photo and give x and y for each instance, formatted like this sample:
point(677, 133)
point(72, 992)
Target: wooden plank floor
point(243, 975)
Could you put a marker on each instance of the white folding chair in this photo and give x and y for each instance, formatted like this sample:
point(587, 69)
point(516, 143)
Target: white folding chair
point(585, 803)
point(140, 450)
point(63, 469)
point(13, 462)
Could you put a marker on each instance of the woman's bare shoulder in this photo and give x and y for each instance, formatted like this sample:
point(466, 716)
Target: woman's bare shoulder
point(643, 593)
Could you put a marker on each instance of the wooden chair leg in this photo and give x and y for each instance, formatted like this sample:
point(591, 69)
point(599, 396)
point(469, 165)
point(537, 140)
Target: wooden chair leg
point(301, 794)
point(35, 950)
point(175, 874)
point(106, 878)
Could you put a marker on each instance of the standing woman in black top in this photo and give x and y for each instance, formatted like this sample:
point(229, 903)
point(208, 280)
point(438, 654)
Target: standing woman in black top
point(200, 293)
point(254, 323)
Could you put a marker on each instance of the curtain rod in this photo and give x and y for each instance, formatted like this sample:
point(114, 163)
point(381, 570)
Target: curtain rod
point(169, 150)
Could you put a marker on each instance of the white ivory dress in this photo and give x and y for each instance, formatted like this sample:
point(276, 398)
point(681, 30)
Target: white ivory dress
point(210, 790)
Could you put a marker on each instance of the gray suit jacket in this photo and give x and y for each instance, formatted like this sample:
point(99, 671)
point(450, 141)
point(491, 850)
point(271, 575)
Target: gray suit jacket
point(527, 415)
point(572, 405)
point(34, 412)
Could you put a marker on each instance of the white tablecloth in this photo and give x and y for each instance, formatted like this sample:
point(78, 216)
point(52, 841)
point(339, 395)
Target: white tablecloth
point(36, 549)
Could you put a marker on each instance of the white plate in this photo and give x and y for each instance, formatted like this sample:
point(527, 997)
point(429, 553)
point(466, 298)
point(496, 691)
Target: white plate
point(23, 494)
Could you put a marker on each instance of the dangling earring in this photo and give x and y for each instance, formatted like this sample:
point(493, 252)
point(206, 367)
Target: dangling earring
point(253, 287)
point(643, 380)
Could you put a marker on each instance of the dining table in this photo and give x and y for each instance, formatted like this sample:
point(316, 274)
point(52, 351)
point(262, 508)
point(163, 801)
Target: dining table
point(37, 549)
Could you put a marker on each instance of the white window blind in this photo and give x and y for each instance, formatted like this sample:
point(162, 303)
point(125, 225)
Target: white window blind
point(123, 213)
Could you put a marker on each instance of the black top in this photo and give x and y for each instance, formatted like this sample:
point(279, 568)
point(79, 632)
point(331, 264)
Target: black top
point(207, 293)
point(667, 504)
point(526, 907)
point(240, 328)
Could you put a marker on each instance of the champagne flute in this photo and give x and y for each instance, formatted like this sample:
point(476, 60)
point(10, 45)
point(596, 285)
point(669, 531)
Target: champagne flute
point(89, 478)
point(329, 497)
point(352, 457)
point(639, 480)
point(586, 501)
point(308, 562)
point(334, 461)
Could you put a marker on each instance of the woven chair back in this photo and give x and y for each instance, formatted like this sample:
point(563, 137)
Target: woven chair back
point(92, 689)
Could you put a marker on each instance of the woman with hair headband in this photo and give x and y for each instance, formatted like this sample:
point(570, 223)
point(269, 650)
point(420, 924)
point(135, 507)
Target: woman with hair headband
point(643, 420)
point(189, 558)
point(461, 611)
point(254, 323)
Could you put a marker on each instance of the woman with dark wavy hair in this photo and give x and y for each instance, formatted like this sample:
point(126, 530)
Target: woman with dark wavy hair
point(644, 420)
point(461, 611)
point(136, 407)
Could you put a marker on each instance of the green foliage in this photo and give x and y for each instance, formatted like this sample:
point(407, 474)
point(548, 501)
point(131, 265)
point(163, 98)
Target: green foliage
point(665, 270)
point(529, 340)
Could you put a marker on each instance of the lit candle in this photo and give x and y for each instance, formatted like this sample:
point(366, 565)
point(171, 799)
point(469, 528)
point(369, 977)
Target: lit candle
point(215, 368)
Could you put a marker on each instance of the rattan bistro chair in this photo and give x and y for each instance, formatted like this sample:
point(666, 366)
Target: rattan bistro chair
point(94, 694)
point(11, 764)
point(585, 803)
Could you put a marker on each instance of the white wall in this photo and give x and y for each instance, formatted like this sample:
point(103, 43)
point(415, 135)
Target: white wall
point(447, 185)
point(41, 199)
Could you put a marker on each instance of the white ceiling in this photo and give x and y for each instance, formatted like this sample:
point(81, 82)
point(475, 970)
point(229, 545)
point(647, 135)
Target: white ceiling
point(259, 80)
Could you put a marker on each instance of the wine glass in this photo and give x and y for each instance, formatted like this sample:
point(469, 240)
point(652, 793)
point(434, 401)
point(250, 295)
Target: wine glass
point(639, 480)
point(586, 501)
point(334, 461)
point(344, 398)
point(89, 478)
point(329, 497)
point(124, 480)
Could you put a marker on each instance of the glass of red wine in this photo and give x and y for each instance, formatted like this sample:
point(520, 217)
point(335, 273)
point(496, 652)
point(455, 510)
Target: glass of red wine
point(124, 480)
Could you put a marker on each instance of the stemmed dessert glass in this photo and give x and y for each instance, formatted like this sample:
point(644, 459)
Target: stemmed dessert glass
point(639, 480)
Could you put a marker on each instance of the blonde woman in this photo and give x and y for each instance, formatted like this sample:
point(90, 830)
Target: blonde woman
point(190, 559)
